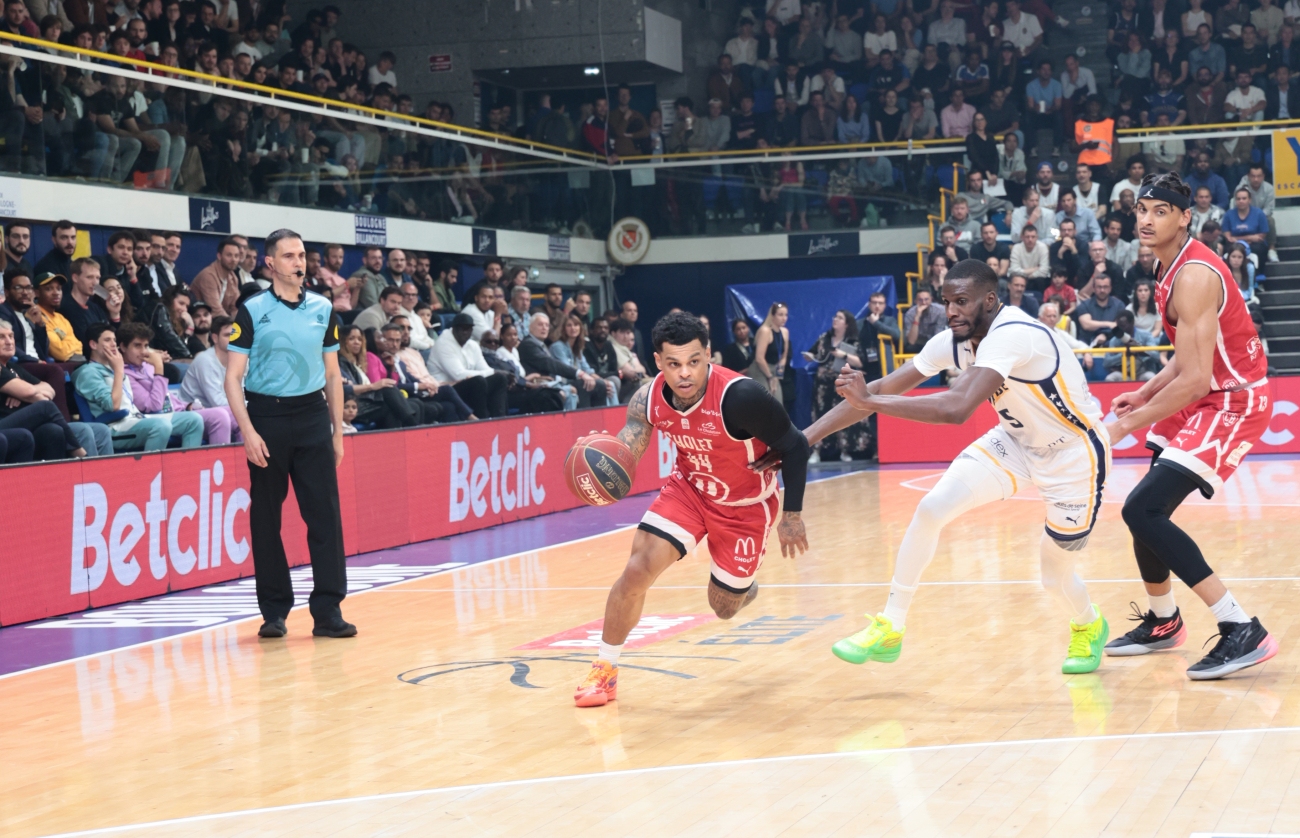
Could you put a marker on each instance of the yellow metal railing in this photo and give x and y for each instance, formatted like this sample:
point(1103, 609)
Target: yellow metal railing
point(1128, 365)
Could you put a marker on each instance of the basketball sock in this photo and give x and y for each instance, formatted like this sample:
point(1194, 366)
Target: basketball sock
point(900, 599)
point(965, 485)
point(1227, 610)
point(609, 653)
point(1163, 605)
point(1061, 579)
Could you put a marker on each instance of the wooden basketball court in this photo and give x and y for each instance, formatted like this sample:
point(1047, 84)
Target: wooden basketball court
point(435, 722)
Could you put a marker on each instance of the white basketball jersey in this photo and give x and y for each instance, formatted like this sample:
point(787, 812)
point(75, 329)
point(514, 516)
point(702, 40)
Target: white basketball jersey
point(1044, 400)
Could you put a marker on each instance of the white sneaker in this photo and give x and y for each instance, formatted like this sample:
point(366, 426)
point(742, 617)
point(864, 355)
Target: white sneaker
point(863, 224)
point(1062, 22)
point(845, 458)
point(749, 228)
point(1272, 255)
point(778, 227)
point(814, 457)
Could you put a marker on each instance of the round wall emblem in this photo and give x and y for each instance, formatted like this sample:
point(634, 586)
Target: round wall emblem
point(628, 241)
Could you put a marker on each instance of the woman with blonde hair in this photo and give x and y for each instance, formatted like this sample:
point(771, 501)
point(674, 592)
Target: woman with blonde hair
point(772, 350)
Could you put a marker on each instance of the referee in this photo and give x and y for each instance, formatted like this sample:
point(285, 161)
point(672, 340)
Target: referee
point(284, 362)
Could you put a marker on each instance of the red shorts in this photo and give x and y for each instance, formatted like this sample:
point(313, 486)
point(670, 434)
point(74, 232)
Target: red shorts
point(737, 534)
point(1209, 437)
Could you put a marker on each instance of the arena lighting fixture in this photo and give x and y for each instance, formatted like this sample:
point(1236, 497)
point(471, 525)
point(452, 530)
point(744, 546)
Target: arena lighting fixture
point(591, 71)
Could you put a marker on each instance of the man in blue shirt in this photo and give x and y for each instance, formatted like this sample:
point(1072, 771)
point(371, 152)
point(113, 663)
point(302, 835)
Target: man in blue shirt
point(1246, 223)
point(1207, 54)
point(283, 359)
point(1043, 97)
point(1202, 175)
point(1085, 222)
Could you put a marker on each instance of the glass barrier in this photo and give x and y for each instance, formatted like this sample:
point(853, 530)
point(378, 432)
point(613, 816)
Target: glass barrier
point(109, 120)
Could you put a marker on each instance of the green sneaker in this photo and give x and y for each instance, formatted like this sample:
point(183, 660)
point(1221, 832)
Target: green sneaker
point(877, 642)
point(1086, 643)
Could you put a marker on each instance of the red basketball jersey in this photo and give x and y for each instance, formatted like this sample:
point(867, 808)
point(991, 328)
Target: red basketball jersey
point(712, 461)
point(1239, 356)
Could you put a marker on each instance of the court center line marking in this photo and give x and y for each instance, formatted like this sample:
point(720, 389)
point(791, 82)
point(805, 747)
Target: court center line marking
point(145, 643)
point(660, 769)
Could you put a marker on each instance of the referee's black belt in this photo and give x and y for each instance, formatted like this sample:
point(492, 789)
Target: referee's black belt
point(285, 402)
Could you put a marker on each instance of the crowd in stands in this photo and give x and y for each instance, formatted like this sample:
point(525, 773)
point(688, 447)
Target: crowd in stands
point(118, 352)
point(797, 75)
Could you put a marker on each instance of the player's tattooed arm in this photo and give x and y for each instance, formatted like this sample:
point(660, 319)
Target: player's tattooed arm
point(791, 533)
point(637, 432)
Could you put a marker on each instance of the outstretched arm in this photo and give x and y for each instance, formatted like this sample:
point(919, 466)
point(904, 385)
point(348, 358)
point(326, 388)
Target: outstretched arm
point(638, 431)
point(900, 381)
point(949, 407)
point(1195, 301)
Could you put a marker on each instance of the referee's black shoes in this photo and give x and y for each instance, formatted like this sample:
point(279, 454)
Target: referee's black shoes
point(272, 628)
point(338, 627)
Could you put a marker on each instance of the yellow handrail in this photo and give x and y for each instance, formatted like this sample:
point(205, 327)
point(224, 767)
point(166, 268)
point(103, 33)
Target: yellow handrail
point(1130, 354)
point(342, 107)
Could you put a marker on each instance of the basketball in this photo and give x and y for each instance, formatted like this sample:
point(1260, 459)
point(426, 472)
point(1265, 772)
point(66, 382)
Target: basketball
point(599, 469)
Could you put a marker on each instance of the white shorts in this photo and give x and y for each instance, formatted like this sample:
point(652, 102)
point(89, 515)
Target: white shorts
point(1070, 478)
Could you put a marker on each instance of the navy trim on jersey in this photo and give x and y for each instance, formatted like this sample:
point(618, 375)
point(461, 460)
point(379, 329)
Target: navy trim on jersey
point(1058, 402)
point(1054, 346)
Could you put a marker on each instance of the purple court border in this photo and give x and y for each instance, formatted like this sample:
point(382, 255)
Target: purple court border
point(34, 645)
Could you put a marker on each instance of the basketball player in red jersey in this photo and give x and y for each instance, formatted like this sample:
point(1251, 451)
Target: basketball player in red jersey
point(1208, 408)
point(721, 422)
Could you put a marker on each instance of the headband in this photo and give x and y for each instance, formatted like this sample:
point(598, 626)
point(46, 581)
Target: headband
point(1169, 196)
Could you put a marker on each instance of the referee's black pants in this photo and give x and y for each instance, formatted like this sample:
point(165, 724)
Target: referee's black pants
point(298, 436)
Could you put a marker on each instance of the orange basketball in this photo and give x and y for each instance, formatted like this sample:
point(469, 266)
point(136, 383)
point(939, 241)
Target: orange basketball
point(599, 469)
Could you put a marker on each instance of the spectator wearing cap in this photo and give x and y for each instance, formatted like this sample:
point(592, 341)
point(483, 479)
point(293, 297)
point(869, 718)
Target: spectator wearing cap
point(143, 367)
point(458, 361)
point(81, 306)
point(218, 284)
point(63, 342)
point(201, 338)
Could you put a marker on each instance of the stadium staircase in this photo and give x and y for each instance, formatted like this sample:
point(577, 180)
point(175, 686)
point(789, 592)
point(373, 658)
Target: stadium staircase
point(1279, 298)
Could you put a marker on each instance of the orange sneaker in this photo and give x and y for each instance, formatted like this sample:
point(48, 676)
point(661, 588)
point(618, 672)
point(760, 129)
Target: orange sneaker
point(600, 686)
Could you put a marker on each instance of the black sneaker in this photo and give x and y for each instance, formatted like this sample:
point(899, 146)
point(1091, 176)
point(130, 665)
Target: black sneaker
point(1153, 635)
point(1240, 645)
point(272, 628)
point(338, 627)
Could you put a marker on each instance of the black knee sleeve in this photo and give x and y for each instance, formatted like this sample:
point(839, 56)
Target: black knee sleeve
point(1159, 544)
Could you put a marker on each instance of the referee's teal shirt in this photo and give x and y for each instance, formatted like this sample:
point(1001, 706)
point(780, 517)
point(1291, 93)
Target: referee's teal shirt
point(284, 341)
